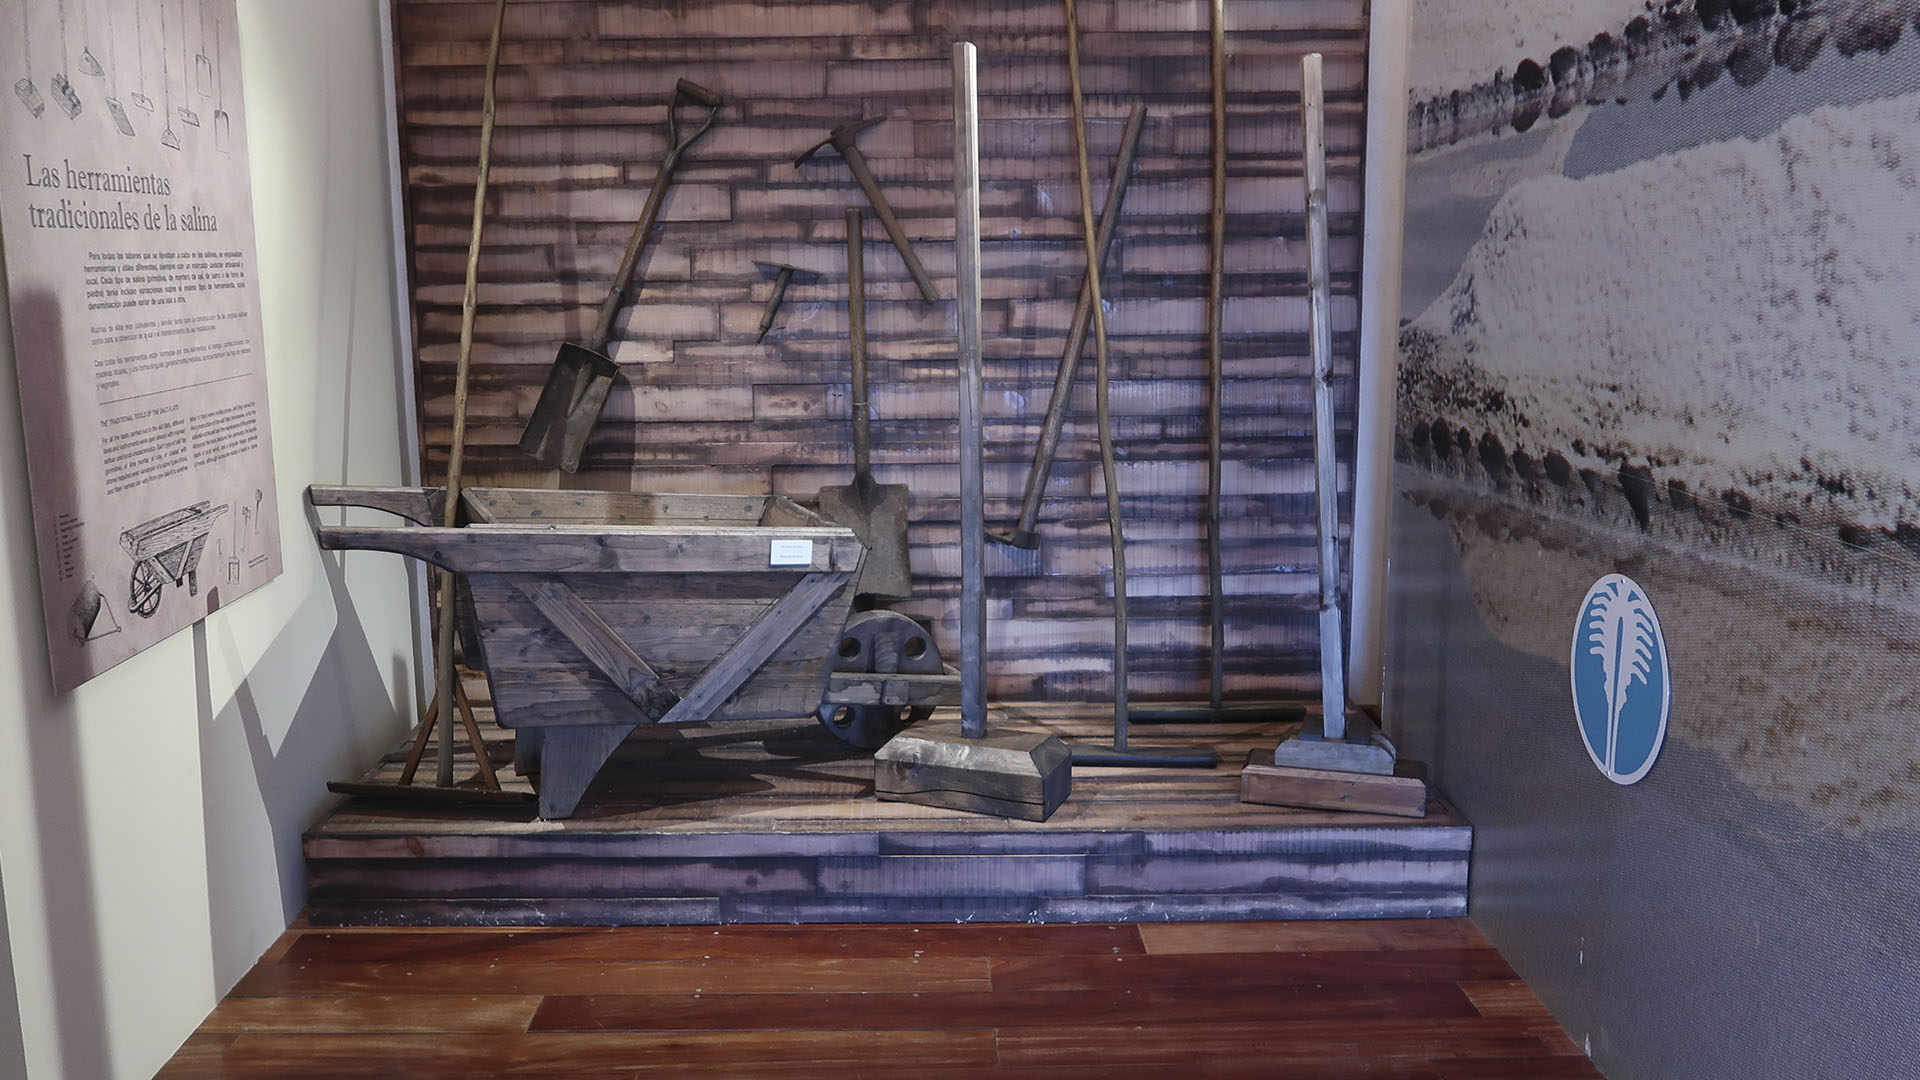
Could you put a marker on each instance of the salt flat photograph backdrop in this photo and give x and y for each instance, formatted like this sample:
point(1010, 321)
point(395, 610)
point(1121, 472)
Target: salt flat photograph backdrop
point(583, 89)
point(1658, 320)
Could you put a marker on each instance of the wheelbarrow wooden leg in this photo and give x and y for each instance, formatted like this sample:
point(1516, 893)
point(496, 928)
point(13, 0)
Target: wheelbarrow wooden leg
point(420, 739)
point(570, 757)
point(487, 776)
point(526, 751)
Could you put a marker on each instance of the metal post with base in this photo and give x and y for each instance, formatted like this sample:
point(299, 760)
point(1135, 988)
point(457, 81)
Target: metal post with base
point(1339, 761)
point(1012, 772)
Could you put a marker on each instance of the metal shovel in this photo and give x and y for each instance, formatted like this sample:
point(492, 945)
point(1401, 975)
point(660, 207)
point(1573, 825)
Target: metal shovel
point(877, 513)
point(582, 374)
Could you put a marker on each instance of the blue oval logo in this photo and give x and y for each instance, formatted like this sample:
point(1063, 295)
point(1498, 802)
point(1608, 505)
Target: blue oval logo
point(1621, 692)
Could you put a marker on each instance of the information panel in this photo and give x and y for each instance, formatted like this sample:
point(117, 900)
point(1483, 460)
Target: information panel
point(126, 223)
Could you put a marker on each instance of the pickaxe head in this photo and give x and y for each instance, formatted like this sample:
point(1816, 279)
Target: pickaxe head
point(839, 138)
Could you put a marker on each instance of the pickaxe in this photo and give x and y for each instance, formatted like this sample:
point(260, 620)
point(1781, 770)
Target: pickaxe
point(842, 139)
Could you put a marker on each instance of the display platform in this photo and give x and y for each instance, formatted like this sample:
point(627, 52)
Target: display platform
point(775, 822)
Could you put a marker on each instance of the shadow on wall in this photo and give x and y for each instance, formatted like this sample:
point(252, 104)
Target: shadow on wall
point(257, 798)
point(52, 742)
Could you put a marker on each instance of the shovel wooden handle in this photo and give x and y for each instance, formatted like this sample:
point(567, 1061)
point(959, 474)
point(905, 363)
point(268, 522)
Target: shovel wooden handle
point(637, 244)
point(857, 342)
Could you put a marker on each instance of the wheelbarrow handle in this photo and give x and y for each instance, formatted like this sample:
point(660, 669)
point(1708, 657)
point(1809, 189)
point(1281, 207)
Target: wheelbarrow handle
point(637, 244)
point(545, 549)
point(423, 505)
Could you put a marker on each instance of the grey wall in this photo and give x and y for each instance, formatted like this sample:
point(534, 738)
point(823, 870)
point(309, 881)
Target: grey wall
point(1658, 319)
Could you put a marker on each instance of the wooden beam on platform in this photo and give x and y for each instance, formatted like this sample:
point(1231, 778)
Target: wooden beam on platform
point(1323, 789)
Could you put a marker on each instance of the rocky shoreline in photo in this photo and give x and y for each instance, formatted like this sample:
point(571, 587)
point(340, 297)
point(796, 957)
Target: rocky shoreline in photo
point(1675, 48)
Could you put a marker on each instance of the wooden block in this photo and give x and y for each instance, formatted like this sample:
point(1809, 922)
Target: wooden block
point(1012, 772)
point(1319, 789)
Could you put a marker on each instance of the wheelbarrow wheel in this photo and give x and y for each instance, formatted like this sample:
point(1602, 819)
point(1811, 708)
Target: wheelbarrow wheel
point(144, 595)
point(880, 642)
point(868, 727)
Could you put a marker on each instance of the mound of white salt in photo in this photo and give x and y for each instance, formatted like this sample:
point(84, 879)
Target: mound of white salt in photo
point(1740, 315)
point(1458, 44)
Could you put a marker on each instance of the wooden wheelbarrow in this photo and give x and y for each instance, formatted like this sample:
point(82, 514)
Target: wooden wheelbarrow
point(595, 612)
point(167, 548)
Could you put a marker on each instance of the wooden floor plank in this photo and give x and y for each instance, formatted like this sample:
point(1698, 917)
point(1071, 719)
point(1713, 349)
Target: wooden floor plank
point(1283, 1043)
point(372, 1013)
point(580, 1056)
point(1255, 970)
point(1017, 1009)
point(668, 976)
point(1542, 1068)
point(658, 943)
point(1243, 937)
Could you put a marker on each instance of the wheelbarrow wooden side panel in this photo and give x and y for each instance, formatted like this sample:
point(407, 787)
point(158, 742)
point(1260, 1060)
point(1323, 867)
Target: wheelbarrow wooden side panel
point(680, 624)
point(597, 612)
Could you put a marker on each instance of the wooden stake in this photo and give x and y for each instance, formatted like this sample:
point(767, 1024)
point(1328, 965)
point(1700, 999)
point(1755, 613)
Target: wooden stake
point(443, 645)
point(1333, 668)
point(1103, 420)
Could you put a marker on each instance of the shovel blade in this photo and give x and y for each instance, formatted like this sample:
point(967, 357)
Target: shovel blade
point(569, 407)
point(877, 514)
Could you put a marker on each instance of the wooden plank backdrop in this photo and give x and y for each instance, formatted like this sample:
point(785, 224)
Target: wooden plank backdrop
point(701, 407)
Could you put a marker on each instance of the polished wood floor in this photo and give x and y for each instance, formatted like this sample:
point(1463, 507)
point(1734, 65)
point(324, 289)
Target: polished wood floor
point(1359, 1000)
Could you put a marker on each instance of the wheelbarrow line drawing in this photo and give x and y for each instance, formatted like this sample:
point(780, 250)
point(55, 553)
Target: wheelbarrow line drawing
point(167, 547)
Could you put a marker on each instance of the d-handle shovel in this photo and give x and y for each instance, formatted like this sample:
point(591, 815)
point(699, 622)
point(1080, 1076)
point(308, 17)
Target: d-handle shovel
point(582, 374)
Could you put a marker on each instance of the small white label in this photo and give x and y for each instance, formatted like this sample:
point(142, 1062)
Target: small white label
point(790, 553)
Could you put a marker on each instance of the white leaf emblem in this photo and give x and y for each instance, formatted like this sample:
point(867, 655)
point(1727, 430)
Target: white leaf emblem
point(1618, 627)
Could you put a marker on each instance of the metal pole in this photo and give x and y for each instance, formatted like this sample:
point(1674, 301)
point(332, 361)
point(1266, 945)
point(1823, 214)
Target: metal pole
point(1333, 670)
point(1216, 286)
point(973, 522)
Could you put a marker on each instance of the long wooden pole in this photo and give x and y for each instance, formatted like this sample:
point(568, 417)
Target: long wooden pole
point(973, 518)
point(1333, 668)
point(1022, 535)
point(1102, 416)
point(443, 643)
point(1216, 274)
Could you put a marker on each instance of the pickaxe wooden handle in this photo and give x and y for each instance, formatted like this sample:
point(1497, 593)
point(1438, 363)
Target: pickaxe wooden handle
point(842, 139)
